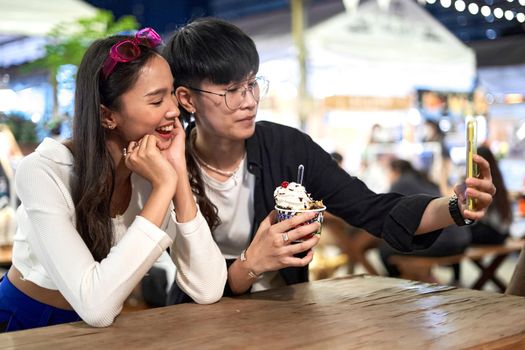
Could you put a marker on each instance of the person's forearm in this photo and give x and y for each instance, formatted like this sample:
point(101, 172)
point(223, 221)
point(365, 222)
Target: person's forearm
point(241, 274)
point(239, 278)
point(517, 282)
point(183, 201)
point(435, 216)
point(157, 205)
point(201, 268)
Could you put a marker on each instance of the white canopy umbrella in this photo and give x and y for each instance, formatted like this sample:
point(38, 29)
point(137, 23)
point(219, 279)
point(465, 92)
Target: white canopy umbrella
point(376, 50)
point(387, 52)
point(24, 23)
point(37, 17)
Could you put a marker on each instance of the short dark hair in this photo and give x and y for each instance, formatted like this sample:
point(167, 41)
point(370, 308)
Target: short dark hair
point(210, 49)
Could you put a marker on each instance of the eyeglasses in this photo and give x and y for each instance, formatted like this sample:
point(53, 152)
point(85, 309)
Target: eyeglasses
point(129, 50)
point(235, 95)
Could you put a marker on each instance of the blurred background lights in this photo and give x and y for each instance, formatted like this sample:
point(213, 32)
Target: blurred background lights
point(491, 34)
point(8, 100)
point(485, 11)
point(460, 5)
point(446, 3)
point(498, 12)
point(445, 125)
point(473, 8)
point(509, 15)
point(414, 116)
point(521, 132)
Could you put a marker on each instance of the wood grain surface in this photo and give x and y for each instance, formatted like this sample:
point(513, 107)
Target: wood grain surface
point(354, 312)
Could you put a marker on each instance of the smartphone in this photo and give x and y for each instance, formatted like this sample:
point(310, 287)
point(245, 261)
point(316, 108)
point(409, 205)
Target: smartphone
point(472, 169)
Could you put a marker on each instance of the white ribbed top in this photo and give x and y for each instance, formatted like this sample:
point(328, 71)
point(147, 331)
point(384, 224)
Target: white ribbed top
point(49, 251)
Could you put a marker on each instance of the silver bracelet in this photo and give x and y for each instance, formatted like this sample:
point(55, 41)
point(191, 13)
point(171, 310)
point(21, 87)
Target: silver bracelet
point(251, 274)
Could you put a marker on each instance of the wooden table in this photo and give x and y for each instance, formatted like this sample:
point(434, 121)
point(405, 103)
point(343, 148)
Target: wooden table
point(355, 312)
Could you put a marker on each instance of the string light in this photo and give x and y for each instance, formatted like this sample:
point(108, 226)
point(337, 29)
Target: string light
point(460, 5)
point(473, 8)
point(486, 11)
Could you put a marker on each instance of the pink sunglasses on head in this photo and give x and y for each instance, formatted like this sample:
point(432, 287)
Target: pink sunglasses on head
point(129, 50)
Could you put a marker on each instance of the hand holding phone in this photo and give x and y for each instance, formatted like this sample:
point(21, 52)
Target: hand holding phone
point(472, 169)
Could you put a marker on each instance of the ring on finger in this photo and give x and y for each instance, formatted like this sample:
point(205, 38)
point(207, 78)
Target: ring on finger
point(285, 237)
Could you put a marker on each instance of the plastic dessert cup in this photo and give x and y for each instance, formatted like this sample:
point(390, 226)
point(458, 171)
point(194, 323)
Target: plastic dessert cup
point(285, 214)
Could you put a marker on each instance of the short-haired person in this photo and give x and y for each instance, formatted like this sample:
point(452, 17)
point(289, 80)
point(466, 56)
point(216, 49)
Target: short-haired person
point(236, 163)
point(99, 210)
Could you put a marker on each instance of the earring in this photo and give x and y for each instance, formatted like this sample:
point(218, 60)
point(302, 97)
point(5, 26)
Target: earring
point(192, 115)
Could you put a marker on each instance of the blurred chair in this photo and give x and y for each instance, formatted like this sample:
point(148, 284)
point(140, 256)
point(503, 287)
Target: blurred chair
point(352, 245)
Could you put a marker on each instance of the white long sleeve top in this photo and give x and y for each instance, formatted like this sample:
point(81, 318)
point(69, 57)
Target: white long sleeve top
point(49, 251)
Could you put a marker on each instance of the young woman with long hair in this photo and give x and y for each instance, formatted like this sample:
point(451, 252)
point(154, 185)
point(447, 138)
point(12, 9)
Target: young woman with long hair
point(99, 210)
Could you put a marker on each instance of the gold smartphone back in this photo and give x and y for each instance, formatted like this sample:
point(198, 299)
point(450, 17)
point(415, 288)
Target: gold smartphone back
point(472, 170)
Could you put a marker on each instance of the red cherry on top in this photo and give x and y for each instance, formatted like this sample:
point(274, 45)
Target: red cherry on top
point(284, 184)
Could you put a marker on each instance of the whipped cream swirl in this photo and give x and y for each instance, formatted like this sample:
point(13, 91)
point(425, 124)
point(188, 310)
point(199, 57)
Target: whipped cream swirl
point(292, 196)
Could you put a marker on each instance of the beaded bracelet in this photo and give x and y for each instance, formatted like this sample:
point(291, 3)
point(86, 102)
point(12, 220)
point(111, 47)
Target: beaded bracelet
point(455, 213)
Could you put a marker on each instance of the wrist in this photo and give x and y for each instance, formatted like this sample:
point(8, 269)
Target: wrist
point(184, 202)
point(178, 163)
point(253, 272)
point(455, 212)
point(168, 184)
point(180, 167)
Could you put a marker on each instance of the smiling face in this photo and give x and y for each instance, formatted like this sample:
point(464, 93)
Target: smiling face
point(214, 117)
point(149, 107)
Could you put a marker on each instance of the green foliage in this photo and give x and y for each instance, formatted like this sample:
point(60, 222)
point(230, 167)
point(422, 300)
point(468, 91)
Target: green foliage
point(68, 41)
point(24, 130)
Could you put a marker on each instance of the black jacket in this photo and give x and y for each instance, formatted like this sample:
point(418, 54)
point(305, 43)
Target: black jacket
point(275, 151)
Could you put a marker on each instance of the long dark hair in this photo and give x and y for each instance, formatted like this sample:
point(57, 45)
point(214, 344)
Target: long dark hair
point(500, 201)
point(94, 168)
point(216, 51)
